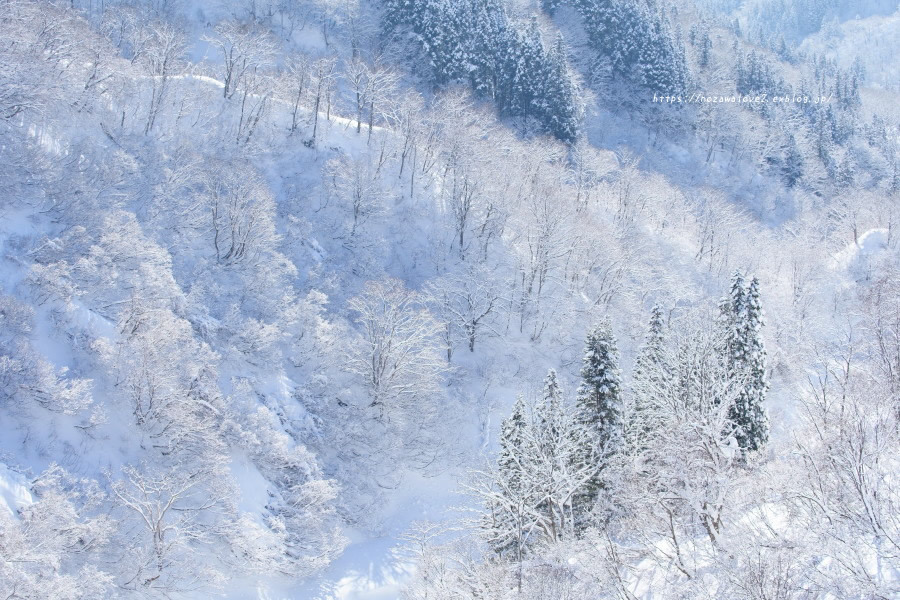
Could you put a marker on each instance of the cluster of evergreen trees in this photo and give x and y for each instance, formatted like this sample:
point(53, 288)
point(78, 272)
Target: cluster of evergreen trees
point(830, 113)
point(756, 75)
point(475, 41)
point(639, 42)
point(556, 462)
point(832, 124)
point(701, 41)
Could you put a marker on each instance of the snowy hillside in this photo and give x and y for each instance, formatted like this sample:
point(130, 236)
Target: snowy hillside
point(425, 299)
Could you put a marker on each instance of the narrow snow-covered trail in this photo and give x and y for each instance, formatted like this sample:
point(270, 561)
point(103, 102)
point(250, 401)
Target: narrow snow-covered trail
point(332, 117)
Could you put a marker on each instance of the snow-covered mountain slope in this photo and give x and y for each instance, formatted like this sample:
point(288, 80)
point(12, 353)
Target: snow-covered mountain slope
point(270, 289)
point(873, 40)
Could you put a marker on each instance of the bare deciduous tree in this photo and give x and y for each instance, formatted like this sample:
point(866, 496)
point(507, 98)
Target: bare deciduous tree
point(160, 58)
point(324, 81)
point(356, 184)
point(245, 50)
point(398, 359)
point(242, 212)
point(467, 303)
point(296, 78)
point(171, 513)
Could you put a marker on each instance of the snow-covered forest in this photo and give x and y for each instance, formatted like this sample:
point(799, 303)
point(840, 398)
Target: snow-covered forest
point(450, 299)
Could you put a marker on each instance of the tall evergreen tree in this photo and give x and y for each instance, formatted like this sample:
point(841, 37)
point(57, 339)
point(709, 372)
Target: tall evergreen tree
point(792, 163)
point(704, 51)
point(556, 464)
point(599, 407)
point(755, 428)
point(489, 31)
point(507, 520)
point(732, 311)
point(651, 374)
point(745, 358)
point(549, 412)
point(530, 72)
point(557, 104)
point(512, 443)
point(599, 401)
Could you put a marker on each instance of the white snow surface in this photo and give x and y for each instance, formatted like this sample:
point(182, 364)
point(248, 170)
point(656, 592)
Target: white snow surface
point(14, 493)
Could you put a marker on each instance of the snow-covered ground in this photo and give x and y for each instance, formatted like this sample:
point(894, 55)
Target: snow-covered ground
point(14, 494)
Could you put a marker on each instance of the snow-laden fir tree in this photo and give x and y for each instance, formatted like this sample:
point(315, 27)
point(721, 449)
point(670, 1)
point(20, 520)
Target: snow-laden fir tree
point(512, 443)
point(551, 407)
point(506, 521)
point(558, 103)
point(490, 33)
point(733, 308)
point(792, 163)
point(555, 464)
point(549, 427)
point(662, 62)
point(652, 373)
point(756, 429)
point(599, 395)
point(702, 43)
point(528, 80)
point(599, 407)
point(746, 363)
